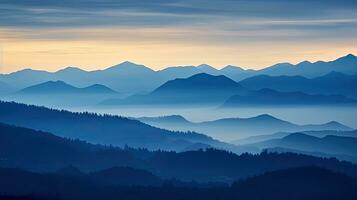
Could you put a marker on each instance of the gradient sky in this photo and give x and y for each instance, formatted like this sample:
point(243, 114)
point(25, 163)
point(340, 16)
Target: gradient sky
point(95, 34)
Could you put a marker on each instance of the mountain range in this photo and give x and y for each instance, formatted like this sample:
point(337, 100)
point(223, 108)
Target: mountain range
point(103, 129)
point(201, 89)
point(197, 89)
point(44, 152)
point(312, 182)
point(333, 83)
point(329, 145)
point(60, 87)
point(268, 97)
point(120, 77)
point(279, 135)
point(229, 129)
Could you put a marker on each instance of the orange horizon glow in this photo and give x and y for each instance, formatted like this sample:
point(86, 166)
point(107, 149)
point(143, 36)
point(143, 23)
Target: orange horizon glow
point(156, 49)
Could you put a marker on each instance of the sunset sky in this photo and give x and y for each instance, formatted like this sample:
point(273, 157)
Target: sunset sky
point(95, 34)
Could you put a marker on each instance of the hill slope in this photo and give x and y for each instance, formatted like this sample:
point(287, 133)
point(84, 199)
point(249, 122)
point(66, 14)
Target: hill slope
point(100, 129)
point(229, 129)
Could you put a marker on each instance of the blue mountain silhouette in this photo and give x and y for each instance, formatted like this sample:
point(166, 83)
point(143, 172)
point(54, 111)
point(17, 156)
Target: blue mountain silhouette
point(317, 133)
point(119, 77)
point(331, 83)
point(330, 144)
point(107, 129)
point(197, 89)
point(229, 129)
point(60, 87)
point(272, 97)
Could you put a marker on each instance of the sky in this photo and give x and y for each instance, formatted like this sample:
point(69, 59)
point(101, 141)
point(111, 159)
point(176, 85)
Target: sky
point(95, 34)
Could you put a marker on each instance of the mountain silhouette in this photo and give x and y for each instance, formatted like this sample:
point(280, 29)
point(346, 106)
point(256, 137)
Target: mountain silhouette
point(119, 77)
point(102, 129)
point(272, 97)
point(60, 87)
point(313, 183)
point(346, 64)
point(331, 83)
point(24, 148)
point(228, 129)
point(297, 183)
point(279, 135)
point(197, 89)
point(330, 144)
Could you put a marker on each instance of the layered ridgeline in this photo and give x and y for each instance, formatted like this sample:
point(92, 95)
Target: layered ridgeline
point(333, 83)
point(39, 151)
point(103, 129)
point(198, 89)
point(60, 87)
point(120, 77)
point(312, 183)
point(208, 89)
point(279, 135)
point(61, 94)
point(229, 129)
point(271, 97)
point(329, 146)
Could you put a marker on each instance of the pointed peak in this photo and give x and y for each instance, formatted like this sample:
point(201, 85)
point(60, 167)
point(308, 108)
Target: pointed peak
point(265, 117)
point(205, 75)
point(348, 57)
point(70, 69)
point(204, 66)
point(334, 73)
point(127, 65)
point(232, 67)
point(333, 123)
point(306, 62)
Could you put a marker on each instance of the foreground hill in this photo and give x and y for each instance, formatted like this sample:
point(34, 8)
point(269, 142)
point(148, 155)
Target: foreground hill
point(332, 83)
point(102, 129)
point(307, 183)
point(228, 129)
point(39, 151)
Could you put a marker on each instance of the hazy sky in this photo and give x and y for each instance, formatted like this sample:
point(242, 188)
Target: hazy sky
point(95, 34)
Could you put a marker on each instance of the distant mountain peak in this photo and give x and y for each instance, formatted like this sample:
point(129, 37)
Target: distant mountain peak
point(57, 82)
point(127, 65)
point(348, 57)
point(70, 69)
point(304, 63)
point(333, 123)
point(265, 116)
point(99, 88)
point(298, 135)
point(206, 66)
point(232, 67)
point(207, 69)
